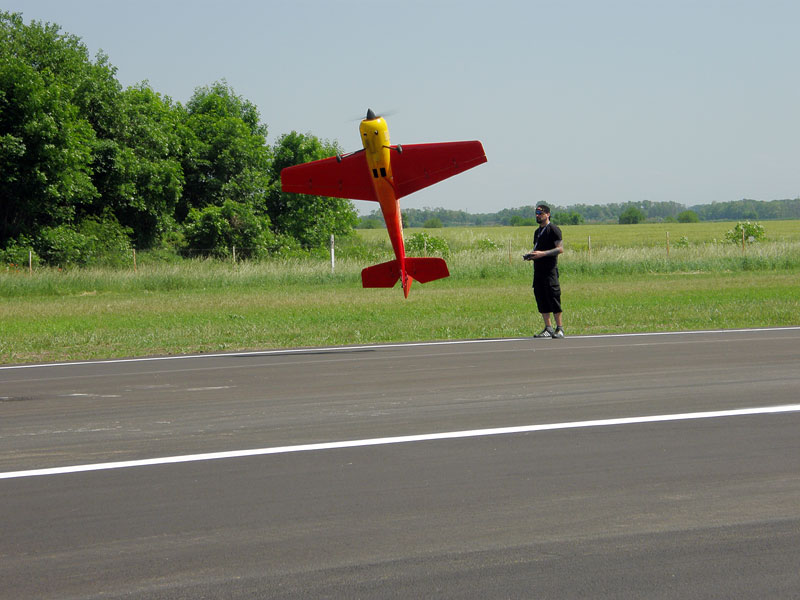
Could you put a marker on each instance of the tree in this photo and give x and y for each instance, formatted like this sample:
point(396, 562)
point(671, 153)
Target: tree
point(225, 155)
point(567, 218)
point(367, 223)
point(74, 145)
point(433, 223)
point(309, 219)
point(632, 215)
point(137, 168)
point(45, 142)
point(518, 221)
point(688, 216)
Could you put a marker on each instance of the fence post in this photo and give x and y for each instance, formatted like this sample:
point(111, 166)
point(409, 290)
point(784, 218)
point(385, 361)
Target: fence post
point(135, 270)
point(30, 262)
point(590, 247)
point(333, 255)
point(668, 244)
point(509, 251)
point(234, 255)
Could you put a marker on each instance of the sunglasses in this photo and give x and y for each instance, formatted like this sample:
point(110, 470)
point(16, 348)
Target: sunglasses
point(539, 211)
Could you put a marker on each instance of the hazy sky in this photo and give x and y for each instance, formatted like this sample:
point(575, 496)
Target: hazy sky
point(575, 101)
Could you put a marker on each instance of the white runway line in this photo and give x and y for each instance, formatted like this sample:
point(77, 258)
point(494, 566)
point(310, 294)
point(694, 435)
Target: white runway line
point(426, 437)
point(113, 361)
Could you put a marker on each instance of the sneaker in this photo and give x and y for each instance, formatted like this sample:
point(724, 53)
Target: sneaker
point(547, 332)
point(559, 334)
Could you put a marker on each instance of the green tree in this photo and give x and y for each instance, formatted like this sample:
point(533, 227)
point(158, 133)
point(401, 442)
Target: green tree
point(688, 216)
point(309, 219)
point(137, 163)
point(567, 218)
point(632, 214)
point(45, 142)
point(225, 155)
point(433, 223)
point(367, 223)
point(73, 144)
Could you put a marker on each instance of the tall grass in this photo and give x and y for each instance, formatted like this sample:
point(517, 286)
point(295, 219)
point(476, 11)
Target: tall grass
point(466, 265)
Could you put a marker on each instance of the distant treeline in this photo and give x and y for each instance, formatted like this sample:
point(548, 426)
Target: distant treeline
point(737, 210)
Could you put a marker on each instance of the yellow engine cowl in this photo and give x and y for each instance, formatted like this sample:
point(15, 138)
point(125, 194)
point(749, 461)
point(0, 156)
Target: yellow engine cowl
point(375, 137)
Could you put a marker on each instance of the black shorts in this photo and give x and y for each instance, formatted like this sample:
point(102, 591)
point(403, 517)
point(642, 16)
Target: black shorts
point(547, 290)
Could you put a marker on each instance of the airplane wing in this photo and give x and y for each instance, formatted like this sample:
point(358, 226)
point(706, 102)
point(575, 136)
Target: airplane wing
point(421, 165)
point(345, 178)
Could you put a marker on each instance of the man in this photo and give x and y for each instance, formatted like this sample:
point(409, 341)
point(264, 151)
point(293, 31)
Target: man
point(547, 245)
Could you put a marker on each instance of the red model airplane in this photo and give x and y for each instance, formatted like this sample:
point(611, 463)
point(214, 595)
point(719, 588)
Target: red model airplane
point(384, 173)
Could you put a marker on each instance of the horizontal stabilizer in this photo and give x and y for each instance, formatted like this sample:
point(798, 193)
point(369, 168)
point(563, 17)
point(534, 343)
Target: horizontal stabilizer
point(384, 275)
point(426, 269)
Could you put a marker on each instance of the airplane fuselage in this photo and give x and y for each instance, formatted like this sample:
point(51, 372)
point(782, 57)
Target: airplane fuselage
point(377, 146)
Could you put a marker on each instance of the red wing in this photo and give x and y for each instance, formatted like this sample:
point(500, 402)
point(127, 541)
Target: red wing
point(421, 165)
point(348, 178)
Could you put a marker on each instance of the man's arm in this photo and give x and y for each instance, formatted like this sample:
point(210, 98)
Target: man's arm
point(542, 253)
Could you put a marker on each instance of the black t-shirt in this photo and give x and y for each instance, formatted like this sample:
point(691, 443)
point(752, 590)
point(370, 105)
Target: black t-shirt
point(545, 238)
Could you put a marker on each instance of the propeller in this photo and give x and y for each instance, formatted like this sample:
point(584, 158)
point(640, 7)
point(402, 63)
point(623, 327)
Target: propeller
point(371, 115)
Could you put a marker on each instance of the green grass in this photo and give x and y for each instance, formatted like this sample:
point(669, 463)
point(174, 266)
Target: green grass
point(577, 236)
point(211, 306)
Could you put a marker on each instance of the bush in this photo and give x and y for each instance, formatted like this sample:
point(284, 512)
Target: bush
point(285, 246)
point(683, 242)
point(688, 216)
point(216, 230)
point(108, 242)
point(753, 232)
point(18, 253)
point(93, 242)
point(487, 244)
point(426, 244)
point(61, 246)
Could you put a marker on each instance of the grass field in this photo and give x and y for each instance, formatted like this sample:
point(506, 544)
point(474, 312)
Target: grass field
point(577, 236)
point(211, 306)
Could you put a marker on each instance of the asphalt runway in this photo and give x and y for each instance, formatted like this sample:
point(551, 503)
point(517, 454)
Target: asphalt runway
point(657, 466)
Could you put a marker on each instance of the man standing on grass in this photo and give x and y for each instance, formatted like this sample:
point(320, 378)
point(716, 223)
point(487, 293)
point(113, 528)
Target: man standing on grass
point(547, 245)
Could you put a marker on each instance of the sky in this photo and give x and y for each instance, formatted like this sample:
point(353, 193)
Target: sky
point(576, 102)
